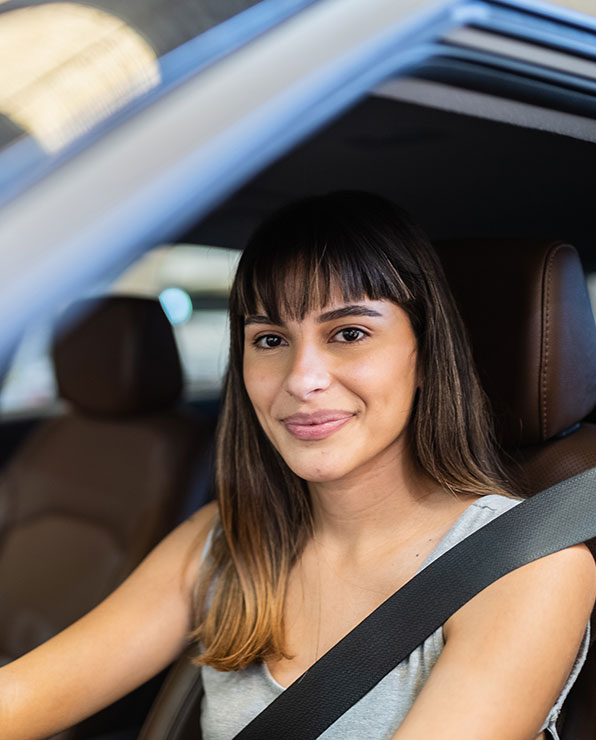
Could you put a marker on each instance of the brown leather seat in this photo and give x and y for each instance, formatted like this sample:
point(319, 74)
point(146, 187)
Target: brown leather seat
point(531, 325)
point(532, 330)
point(92, 491)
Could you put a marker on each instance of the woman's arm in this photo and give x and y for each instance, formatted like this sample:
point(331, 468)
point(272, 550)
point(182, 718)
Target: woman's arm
point(508, 653)
point(128, 638)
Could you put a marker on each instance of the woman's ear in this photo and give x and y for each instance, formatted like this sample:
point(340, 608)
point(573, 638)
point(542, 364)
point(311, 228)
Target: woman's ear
point(418, 374)
point(415, 400)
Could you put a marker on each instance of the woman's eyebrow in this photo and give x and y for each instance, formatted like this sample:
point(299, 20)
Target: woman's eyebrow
point(352, 310)
point(260, 319)
point(336, 313)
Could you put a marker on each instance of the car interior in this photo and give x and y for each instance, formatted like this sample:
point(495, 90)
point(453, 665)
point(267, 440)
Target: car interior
point(89, 485)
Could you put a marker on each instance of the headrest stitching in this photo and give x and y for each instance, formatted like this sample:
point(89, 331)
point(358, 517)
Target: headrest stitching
point(545, 345)
point(549, 270)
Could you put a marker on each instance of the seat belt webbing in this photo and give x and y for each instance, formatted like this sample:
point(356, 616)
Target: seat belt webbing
point(559, 517)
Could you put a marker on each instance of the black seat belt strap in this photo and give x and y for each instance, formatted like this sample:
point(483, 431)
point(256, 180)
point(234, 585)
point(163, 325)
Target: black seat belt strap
point(559, 517)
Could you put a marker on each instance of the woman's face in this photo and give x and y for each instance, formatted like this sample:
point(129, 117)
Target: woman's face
point(334, 391)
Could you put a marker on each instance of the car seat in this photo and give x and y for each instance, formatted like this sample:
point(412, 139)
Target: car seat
point(92, 491)
point(527, 309)
point(532, 330)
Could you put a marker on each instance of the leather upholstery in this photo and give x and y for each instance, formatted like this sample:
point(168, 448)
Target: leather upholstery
point(537, 467)
point(87, 498)
point(527, 309)
point(532, 330)
point(90, 492)
point(117, 357)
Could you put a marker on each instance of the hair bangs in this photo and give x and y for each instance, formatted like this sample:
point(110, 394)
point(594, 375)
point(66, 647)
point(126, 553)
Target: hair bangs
point(287, 283)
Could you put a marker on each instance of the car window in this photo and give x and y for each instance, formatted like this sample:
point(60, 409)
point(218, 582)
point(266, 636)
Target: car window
point(29, 382)
point(192, 284)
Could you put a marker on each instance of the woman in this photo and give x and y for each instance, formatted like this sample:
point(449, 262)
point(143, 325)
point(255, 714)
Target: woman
point(354, 447)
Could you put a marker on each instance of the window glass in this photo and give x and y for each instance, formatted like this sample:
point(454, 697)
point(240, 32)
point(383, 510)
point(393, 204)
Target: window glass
point(192, 284)
point(30, 382)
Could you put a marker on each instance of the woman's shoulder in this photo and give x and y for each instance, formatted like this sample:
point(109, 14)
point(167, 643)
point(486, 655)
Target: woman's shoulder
point(494, 504)
point(575, 563)
point(486, 508)
point(480, 512)
point(204, 518)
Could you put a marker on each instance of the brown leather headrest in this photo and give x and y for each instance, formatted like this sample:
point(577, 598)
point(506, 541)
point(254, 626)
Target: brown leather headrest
point(117, 356)
point(531, 325)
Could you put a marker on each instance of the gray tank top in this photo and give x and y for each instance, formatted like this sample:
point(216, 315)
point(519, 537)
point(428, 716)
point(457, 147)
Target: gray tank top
point(233, 698)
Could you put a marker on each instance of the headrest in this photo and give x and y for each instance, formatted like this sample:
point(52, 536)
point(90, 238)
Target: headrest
point(528, 313)
point(117, 356)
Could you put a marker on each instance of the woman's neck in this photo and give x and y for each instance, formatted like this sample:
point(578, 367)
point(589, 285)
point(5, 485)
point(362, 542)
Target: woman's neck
point(390, 501)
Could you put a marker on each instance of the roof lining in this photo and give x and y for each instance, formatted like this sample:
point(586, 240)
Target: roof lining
point(483, 105)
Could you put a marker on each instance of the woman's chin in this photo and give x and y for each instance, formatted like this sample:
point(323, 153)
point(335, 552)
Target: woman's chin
point(321, 473)
point(333, 462)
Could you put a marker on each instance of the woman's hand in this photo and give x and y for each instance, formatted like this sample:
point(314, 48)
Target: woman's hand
point(128, 638)
point(508, 654)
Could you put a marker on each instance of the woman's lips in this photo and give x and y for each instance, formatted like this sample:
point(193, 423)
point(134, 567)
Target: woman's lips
point(316, 426)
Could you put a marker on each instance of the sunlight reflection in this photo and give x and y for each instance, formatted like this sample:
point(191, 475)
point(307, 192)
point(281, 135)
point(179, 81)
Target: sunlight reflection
point(64, 67)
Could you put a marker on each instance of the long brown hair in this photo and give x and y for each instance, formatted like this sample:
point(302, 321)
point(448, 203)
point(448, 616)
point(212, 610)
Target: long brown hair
point(365, 247)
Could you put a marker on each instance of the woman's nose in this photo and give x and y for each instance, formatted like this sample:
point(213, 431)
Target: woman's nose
point(309, 372)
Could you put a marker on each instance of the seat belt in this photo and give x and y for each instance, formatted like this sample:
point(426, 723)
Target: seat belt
point(559, 517)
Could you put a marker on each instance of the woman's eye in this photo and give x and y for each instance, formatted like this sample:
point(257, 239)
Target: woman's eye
point(350, 335)
point(268, 341)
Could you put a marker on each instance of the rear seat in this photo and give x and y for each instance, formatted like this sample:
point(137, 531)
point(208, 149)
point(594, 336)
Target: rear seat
point(91, 492)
